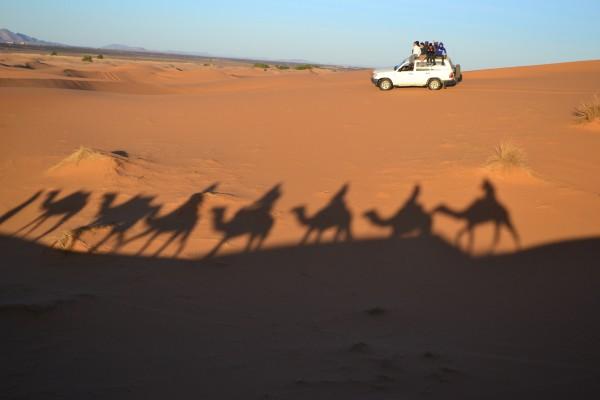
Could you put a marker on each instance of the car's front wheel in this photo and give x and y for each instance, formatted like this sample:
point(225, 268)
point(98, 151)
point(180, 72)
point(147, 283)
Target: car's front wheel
point(434, 84)
point(385, 84)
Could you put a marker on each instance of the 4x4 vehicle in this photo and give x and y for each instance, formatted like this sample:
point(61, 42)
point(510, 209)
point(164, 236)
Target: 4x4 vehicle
point(415, 72)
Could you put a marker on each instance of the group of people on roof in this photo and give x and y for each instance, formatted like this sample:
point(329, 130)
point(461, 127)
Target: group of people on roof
point(429, 51)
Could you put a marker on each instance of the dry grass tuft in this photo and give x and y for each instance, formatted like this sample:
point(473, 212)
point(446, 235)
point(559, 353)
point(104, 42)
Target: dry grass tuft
point(507, 156)
point(588, 111)
point(83, 153)
point(88, 154)
point(68, 240)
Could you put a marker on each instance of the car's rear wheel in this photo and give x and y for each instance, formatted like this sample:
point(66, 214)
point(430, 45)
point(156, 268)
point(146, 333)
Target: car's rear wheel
point(385, 84)
point(434, 84)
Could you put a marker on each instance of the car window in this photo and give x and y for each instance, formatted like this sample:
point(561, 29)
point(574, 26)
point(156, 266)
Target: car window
point(422, 66)
point(408, 67)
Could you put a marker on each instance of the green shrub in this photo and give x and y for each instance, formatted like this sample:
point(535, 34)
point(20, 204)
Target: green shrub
point(100, 57)
point(304, 67)
point(54, 53)
point(282, 67)
point(87, 59)
point(261, 65)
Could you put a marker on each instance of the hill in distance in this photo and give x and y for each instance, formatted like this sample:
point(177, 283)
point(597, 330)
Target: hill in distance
point(123, 47)
point(9, 37)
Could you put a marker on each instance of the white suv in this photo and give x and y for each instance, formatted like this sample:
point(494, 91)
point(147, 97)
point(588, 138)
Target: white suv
point(415, 72)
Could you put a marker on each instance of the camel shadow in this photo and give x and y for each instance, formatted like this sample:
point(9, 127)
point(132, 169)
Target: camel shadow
point(484, 209)
point(119, 218)
point(254, 220)
point(65, 208)
point(411, 218)
point(334, 215)
point(179, 223)
point(11, 213)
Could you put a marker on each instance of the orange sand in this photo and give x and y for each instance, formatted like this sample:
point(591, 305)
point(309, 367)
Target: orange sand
point(313, 131)
point(286, 322)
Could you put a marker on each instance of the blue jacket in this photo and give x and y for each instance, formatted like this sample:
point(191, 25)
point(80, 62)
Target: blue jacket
point(441, 50)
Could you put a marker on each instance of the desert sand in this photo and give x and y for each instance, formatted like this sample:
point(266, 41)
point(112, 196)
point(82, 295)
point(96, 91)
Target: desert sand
point(129, 191)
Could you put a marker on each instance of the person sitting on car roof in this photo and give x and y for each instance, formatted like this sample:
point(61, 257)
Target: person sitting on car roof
point(423, 51)
point(430, 54)
point(416, 49)
point(441, 52)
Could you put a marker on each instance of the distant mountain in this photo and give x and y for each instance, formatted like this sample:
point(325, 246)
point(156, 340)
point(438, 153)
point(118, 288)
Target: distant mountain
point(187, 53)
point(9, 37)
point(123, 47)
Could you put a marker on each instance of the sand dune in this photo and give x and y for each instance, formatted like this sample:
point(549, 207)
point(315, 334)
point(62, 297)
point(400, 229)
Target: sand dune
point(181, 166)
point(248, 129)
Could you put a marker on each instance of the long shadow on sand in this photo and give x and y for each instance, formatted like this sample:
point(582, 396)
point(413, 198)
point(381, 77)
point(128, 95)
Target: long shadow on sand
point(335, 215)
point(179, 223)
point(11, 213)
point(118, 218)
point(254, 221)
point(482, 210)
point(299, 322)
point(65, 208)
point(411, 218)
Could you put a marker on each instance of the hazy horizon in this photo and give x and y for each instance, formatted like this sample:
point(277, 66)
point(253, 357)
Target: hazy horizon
point(354, 33)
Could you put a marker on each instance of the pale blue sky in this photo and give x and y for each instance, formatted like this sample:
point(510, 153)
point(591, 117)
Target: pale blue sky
point(478, 34)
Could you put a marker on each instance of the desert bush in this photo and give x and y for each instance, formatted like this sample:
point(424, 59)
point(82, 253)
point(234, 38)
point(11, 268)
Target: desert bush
point(506, 156)
point(304, 67)
point(282, 67)
point(87, 59)
point(261, 65)
point(100, 57)
point(588, 111)
point(54, 53)
point(67, 239)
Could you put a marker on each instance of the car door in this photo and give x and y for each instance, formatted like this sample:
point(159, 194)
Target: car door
point(422, 73)
point(404, 76)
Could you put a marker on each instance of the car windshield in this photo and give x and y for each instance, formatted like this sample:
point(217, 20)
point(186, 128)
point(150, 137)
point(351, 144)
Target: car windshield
point(406, 61)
